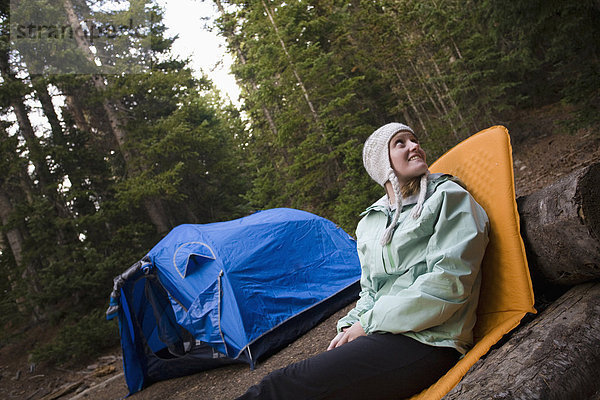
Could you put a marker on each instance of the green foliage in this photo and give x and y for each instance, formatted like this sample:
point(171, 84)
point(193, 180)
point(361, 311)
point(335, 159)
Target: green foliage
point(319, 77)
point(133, 155)
point(9, 312)
point(79, 341)
point(127, 147)
point(558, 53)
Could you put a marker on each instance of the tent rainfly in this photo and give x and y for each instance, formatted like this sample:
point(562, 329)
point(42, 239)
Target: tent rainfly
point(213, 294)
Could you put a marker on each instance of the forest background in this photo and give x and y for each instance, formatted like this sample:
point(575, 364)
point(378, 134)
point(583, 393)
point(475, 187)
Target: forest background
point(97, 164)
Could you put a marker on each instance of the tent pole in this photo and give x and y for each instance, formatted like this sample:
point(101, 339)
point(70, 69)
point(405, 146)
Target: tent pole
point(250, 357)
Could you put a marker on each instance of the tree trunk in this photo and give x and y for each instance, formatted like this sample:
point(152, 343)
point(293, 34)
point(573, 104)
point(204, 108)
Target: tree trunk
point(410, 100)
point(77, 113)
point(338, 168)
point(230, 36)
point(41, 88)
point(554, 357)
point(437, 90)
point(418, 75)
point(560, 225)
point(36, 155)
point(13, 235)
point(448, 95)
point(153, 206)
point(292, 66)
point(16, 243)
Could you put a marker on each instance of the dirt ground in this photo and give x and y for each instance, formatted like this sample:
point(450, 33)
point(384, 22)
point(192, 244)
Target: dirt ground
point(542, 153)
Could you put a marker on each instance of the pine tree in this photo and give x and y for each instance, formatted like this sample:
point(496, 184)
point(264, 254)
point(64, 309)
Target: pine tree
point(111, 143)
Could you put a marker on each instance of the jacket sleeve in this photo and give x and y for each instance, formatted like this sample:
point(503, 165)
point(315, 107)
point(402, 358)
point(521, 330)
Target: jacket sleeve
point(453, 257)
point(367, 293)
point(364, 304)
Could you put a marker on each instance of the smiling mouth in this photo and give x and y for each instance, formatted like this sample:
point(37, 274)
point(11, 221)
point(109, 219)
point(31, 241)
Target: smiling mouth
point(415, 158)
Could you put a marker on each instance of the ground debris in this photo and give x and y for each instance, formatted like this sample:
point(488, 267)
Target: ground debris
point(63, 390)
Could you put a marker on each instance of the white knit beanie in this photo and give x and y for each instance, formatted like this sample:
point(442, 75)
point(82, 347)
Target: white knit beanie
point(376, 160)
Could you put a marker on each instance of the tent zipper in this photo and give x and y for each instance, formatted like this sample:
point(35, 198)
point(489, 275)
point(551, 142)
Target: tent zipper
point(219, 311)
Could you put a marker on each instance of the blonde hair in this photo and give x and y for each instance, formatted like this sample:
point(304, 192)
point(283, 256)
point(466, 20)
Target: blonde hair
point(418, 184)
point(411, 187)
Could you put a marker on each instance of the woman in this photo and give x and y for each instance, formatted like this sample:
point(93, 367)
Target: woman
point(420, 248)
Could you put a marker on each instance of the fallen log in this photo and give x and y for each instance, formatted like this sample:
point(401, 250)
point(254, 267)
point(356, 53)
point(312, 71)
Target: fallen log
point(556, 356)
point(560, 225)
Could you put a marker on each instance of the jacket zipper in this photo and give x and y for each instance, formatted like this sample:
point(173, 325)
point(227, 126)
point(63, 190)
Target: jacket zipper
point(390, 261)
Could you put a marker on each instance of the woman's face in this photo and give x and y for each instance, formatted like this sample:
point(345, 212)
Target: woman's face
point(406, 156)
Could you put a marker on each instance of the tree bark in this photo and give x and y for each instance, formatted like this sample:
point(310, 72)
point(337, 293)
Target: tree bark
point(153, 206)
point(448, 95)
point(560, 225)
point(313, 111)
point(555, 357)
point(41, 88)
point(25, 127)
point(292, 65)
point(16, 243)
point(76, 111)
point(230, 36)
point(419, 76)
point(410, 100)
point(13, 235)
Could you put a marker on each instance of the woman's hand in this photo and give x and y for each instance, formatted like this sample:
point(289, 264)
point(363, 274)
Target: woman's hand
point(348, 335)
point(335, 340)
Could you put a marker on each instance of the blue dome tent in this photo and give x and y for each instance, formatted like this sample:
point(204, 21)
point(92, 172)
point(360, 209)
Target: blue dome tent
point(213, 294)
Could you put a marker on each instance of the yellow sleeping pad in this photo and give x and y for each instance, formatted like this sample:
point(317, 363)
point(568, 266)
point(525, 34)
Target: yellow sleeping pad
point(484, 163)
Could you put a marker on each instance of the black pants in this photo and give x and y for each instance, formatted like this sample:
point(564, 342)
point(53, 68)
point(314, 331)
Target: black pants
point(377, 366)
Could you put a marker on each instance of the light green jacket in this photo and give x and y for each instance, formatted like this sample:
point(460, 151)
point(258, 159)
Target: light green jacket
point(425, 282)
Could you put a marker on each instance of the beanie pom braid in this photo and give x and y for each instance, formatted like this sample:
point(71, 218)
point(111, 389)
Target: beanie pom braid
point(416, 212)
point(389, 231)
